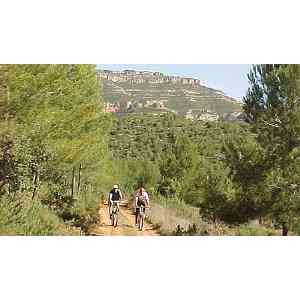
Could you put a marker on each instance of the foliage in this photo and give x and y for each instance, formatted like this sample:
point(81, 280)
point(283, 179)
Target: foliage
point(54, 141)
point(273, 109)
point(23, 217)
point(182, 151)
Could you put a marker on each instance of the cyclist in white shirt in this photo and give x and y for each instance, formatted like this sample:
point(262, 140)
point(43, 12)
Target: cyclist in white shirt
point(141, 199)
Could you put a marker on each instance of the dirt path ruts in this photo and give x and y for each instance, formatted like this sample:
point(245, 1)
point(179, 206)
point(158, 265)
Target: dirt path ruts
point(125, 227)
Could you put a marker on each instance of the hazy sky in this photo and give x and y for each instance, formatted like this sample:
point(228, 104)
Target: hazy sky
point(232, 79)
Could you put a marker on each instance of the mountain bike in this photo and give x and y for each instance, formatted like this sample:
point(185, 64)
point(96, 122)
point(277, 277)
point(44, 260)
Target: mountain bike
point(114, 213)
point(141, 216)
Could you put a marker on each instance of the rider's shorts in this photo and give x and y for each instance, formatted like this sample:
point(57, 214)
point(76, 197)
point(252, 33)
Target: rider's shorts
point(137, 209)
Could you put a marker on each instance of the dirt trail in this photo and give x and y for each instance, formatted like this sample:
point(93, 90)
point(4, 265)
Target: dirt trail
point(126, 224)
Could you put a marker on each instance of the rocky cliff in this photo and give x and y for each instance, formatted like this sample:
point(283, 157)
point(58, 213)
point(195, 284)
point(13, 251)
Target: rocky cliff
point(138, 77)
point(132, 91)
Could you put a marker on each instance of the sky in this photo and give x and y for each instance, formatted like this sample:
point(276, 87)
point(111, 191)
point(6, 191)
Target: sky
point(230, 78)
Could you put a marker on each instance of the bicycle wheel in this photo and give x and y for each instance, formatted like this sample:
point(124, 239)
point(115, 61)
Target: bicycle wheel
point(142, 223)
point(112, 219)
point(116, 220)
point(139, 220)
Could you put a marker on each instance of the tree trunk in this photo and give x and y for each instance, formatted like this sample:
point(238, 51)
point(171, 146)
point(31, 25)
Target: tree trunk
point(79, 179)
point(285, 230)
point(73, 183)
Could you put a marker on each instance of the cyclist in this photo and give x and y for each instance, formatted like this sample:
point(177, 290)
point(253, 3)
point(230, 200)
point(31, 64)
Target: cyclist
point(114, 195)
point(141, 199)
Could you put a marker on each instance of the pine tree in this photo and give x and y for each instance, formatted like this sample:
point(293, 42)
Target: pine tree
point(272, 107)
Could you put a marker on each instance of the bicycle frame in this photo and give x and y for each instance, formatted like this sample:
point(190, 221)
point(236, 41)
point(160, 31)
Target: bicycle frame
point(115, 207)
point(114, 212)
point(141, 216)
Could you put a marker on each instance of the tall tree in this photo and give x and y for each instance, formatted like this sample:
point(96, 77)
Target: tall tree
point(272, 107)
point(52, 128)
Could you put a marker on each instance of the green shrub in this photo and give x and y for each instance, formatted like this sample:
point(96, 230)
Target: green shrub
point(23, 217)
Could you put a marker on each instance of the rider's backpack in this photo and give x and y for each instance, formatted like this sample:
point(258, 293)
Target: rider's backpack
point(115, 195)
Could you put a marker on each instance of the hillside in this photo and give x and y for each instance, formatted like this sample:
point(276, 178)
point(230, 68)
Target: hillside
point(130, 91)
point(139, 137)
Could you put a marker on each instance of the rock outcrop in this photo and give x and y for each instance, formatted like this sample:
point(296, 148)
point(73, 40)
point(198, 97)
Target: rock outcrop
point(131, 91)
point(146, 77)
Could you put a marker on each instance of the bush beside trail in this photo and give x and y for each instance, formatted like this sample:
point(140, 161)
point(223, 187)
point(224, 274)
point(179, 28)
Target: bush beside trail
point(180, 220)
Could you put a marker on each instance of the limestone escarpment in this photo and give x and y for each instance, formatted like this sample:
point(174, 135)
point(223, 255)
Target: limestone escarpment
point(131, 91)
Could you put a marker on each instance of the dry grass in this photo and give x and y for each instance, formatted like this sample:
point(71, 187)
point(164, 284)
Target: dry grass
point(167, 218)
